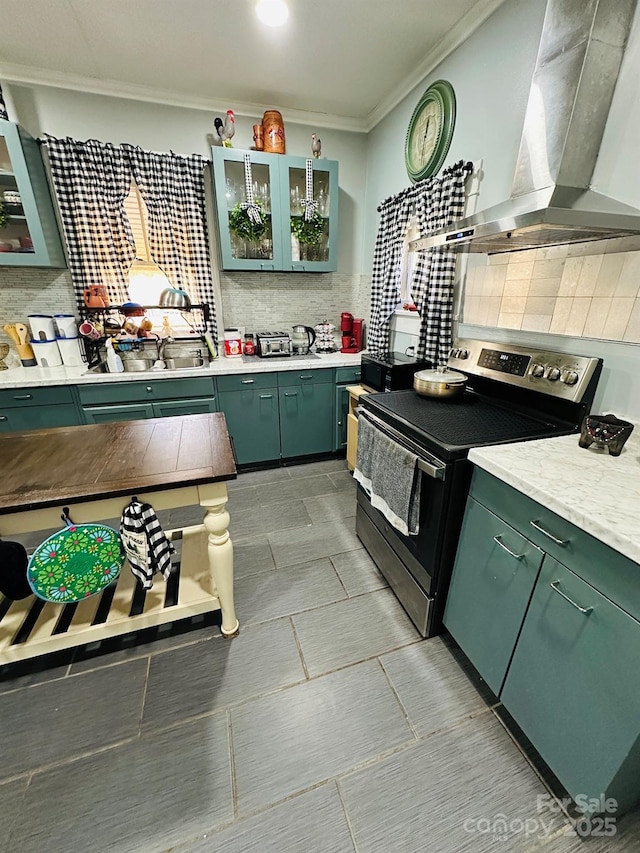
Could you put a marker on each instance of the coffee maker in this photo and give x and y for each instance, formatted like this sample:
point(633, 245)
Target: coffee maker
point(352, 331)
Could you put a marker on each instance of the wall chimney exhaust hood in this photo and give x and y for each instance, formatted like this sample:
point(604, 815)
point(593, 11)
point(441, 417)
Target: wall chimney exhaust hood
point(579, 57)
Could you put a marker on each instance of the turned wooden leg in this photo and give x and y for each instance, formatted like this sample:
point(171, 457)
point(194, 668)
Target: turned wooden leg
point(220, 550)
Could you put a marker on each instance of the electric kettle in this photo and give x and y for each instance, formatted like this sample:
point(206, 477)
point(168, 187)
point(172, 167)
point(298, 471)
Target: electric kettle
point(302, 339)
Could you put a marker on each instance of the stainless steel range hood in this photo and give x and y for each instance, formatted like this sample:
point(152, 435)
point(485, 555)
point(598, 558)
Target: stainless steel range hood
point(578, 61)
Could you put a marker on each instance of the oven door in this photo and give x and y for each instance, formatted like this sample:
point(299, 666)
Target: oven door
point(411, 564)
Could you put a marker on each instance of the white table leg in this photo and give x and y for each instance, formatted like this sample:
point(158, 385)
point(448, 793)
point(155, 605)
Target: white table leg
point(213, 499)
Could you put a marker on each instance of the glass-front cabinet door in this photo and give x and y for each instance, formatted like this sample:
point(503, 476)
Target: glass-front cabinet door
point(247, 244)
point(28, 229)
point(283, 239)
point(310, 244)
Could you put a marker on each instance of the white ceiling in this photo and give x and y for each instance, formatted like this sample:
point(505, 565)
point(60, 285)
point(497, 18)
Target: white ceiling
point(340, 63)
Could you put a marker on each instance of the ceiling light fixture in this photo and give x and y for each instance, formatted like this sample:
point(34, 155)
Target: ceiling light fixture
point(273, 13)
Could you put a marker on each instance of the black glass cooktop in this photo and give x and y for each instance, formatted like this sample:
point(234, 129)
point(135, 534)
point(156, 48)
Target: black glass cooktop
point(449, 427)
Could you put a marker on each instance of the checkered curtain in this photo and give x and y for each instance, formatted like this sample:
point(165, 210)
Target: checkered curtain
point(173, 190)
point(436, 202)
point(434, 273)
point(91, 181)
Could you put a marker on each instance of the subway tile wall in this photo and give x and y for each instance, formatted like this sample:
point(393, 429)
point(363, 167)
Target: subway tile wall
point(251, 300)
point(584, 290)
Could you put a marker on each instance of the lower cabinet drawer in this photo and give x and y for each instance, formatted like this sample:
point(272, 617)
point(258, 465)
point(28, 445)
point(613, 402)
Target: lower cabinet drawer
point(304, 377)
point(159, 389)
point(38, 417)
point(24, 397)
point(348, 374)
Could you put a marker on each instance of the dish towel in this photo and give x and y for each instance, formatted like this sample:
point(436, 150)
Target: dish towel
point(145, 542)
point(389, 474)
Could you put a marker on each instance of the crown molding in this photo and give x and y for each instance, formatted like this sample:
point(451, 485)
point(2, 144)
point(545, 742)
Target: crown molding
point(24, 74)
point(455, 37)
point(30, 75)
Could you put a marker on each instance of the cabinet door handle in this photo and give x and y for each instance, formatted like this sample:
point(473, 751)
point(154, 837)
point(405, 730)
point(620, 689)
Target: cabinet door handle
point(305, 377)
point(555, 586)
point(149, 388)
point(546, 533)
point(290, 393)
point(266, 396)
point(3, 418)
point(498, 540)
point(247, 381)
point(23, 396)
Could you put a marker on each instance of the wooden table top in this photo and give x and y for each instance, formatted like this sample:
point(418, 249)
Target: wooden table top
point(46, 467)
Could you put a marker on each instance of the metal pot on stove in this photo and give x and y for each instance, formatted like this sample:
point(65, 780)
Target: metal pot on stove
point(439, 382)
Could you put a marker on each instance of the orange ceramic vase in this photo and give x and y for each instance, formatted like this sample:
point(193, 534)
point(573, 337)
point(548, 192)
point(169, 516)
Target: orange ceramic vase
point(273, 132)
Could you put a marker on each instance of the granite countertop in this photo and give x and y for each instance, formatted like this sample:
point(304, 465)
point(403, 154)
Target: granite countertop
point(596, 492)
point(24, 377)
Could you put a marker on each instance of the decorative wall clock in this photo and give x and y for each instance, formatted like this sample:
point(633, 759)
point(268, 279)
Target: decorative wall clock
point(430, 131)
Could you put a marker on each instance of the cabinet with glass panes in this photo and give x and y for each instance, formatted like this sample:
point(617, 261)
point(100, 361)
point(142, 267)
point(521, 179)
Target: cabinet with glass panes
point(29, 233)
point(281, 237)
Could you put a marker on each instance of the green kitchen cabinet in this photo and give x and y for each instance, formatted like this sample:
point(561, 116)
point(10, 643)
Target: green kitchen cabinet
point(573, 688)
point(491, 585)
point(306, 412)
point(113, 401)
point(253, 423)
point(30, 237)
point(279, 186)
point(550, 617)
point(345, 376)
point(23, 409)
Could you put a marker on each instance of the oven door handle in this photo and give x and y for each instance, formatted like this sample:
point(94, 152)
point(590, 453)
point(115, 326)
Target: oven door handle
point(431, 466)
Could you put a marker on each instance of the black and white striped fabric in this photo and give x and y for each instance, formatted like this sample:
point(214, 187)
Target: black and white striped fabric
point(437, 202)
point(145, 542)
point(173, 190)
point(91, 181)
point(3, 107)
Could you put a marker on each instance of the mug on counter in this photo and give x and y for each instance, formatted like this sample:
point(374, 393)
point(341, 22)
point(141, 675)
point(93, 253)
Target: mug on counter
point(93, 331)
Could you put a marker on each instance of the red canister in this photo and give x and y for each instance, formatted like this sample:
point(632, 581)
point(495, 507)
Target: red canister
point(249, 345)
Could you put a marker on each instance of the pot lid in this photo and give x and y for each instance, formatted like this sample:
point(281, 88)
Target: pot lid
point(451, 377)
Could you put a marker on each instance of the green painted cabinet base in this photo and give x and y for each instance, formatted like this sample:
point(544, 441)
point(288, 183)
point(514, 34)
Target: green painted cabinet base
point(493, 578)
point(23, 409)
point(252, 421)
point(306, 419)
point(565, 633)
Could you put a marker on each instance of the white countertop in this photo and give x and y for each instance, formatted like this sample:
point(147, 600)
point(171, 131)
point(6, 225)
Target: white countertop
point(596, 492)
point(24, 377)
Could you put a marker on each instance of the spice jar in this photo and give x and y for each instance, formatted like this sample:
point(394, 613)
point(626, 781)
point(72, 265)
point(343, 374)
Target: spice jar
point(273, 132)
point(249, 345)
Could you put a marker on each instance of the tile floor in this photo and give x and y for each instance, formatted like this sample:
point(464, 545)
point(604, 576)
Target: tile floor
point(327, 725)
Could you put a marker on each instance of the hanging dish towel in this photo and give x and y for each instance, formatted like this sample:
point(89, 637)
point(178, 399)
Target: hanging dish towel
point(76, 562)
point(145, 542)
point(389, 474)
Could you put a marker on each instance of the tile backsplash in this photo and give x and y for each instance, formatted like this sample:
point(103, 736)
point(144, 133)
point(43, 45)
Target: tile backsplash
point(583, 290)
point(251, 300)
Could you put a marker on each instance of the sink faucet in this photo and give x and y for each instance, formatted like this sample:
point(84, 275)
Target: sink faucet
point(162, 345)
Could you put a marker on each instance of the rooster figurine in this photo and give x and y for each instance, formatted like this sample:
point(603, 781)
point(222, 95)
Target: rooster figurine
point(225, 129)
point(316, 146)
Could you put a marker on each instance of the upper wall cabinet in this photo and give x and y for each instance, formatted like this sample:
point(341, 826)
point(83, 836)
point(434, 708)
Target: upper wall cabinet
point(29, 236)
point(283, 240)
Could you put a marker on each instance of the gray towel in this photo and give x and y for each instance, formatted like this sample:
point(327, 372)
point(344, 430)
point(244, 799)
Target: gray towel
point(390, 476)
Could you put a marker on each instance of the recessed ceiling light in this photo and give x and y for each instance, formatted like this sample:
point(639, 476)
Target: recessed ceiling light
point(273, 13)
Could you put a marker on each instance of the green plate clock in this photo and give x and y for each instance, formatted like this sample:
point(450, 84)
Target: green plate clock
point(430, 131)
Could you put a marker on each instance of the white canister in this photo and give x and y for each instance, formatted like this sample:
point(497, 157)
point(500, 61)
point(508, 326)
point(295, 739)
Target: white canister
point(67, 325)
point(71, 351)
point(232, 343)
point(42, 327)
point(47, 353)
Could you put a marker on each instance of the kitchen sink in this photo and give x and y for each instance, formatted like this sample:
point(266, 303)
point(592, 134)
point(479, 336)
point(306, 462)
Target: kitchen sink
point(142, 365)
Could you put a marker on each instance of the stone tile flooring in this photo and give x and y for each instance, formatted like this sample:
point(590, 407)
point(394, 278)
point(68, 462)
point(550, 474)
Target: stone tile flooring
point(327, 725)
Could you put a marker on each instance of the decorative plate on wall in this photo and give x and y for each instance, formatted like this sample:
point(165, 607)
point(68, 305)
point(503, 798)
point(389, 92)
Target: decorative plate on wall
point(430, 131)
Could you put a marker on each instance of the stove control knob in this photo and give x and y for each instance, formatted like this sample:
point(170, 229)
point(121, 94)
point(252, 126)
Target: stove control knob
point(463, 353)
point(454, 353)
point(537, 370)
point(553, 374)
point(570, 377)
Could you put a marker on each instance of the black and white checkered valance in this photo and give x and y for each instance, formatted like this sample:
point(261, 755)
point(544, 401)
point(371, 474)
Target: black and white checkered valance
point(436, 203)
point(92, 180)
